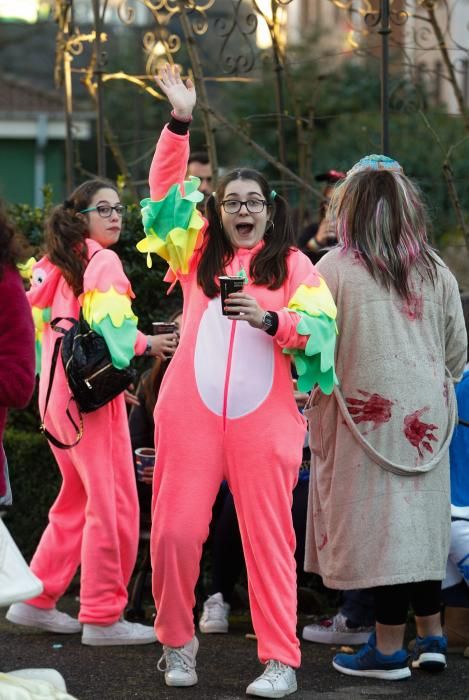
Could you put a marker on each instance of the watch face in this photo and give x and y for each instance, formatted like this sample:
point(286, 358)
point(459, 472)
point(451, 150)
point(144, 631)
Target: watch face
point(267, 320)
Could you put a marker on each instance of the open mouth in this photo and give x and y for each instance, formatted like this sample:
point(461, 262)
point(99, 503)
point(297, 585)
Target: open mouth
point(244, 229)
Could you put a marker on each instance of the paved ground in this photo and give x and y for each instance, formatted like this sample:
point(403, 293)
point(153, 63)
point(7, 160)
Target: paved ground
point(226, 664)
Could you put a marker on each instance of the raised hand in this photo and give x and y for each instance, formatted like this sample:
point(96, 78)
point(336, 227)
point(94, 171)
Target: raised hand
point(182, 97)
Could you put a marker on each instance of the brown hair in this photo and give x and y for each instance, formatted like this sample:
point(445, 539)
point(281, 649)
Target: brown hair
point(269, 265)
point(66, 233)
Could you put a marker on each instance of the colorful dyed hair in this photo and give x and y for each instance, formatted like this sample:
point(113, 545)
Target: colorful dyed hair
point(269, 265)
point(380, 215)
point(66, 233)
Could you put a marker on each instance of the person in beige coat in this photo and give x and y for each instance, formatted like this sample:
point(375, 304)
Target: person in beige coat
point(379, 506)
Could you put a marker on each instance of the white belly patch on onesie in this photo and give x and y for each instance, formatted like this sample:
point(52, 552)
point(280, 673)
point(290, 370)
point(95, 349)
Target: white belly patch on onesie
point(252, 364)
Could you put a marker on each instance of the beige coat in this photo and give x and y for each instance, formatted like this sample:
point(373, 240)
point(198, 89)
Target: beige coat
point(373, 524)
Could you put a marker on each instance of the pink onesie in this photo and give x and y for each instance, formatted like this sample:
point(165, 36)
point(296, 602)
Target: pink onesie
point(94, 521)
point(226, 410)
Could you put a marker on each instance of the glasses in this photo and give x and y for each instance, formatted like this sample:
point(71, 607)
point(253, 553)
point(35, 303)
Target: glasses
point(105, 210)
point(253, 206)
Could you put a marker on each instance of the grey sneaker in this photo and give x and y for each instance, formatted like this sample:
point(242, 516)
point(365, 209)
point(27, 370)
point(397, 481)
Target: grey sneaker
point(120, 633)
point(51, 620)
point(335, 630)
point(178, 664)
point(214, 618)
point(277, 681)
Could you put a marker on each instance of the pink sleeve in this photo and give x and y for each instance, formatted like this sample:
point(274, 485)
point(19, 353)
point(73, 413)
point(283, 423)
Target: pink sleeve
point(169, 164)
point(140, 343)
point(286, 335)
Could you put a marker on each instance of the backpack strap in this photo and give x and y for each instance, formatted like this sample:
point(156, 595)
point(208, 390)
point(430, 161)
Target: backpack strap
point(55, 356)
point(78, 428)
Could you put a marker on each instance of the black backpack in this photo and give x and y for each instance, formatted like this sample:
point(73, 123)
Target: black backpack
point(92, 378)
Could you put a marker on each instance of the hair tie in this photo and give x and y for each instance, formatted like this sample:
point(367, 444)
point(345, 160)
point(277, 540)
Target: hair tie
point(376, 162)
point(273, 194)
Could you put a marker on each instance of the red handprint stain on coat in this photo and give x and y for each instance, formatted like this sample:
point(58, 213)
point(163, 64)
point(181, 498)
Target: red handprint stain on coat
point(419, 434)
point(373, 408)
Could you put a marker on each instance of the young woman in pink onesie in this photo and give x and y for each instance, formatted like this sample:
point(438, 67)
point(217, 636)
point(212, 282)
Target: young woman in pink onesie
point(94, 520)
point(226, 408)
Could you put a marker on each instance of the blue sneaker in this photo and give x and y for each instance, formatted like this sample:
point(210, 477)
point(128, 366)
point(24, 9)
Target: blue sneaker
point(429, 653)
point(370, 663)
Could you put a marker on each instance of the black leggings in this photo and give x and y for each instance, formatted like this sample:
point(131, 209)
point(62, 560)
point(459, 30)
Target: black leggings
point(393, 602)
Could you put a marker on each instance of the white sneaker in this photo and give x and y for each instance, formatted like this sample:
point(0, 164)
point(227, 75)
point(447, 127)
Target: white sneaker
point(50, 620)
point(179, 668)
point(334, 630)
point(117, 634)
point(40, 674)
point(17, 581)
point(214, 618)
point(277, 681)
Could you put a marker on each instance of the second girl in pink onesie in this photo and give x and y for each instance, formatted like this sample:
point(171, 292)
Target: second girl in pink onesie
point(226, 408)
point(94, 520)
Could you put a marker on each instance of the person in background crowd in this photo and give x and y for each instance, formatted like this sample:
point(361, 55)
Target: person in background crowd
point(94, 520)
point(16, 341)
point(455, 593)
point(317, 238)
point(228, 394)
point(16, 388)
point(199, 166)
point(380, 443)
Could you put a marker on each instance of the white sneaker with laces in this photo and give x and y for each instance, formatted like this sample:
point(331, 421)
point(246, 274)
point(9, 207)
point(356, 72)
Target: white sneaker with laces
point(277, 681)
point(214, 618)
point(334, 630)
point(51, 620)
point(120, 633)
point(179, 668)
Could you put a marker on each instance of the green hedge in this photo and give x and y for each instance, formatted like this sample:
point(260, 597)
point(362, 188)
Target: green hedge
point(35, 481)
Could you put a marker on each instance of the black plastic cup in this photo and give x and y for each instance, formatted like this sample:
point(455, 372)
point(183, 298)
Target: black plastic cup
point(161, 327)
point(228, 285)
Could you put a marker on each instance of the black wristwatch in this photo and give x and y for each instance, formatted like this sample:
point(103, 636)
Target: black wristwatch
point(267, 321)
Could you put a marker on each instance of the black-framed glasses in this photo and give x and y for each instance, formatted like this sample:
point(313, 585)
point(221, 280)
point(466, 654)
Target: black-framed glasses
point(105, 210)
point(253, 206)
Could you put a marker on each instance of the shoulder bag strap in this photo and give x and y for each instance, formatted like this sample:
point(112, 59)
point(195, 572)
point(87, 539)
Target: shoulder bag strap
point(55, 356)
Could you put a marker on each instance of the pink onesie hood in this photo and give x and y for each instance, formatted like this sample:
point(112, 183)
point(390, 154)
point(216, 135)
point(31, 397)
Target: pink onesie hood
point(45, 278)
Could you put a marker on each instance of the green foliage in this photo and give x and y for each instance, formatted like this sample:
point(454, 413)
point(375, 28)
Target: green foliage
point(344, 105)
point(35, 482)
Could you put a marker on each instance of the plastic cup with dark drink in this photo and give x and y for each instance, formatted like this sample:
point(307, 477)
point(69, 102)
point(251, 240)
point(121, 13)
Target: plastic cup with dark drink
point(144, 458)
point(228, 285)
point(160, 327)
